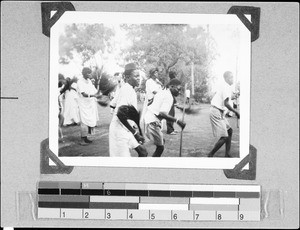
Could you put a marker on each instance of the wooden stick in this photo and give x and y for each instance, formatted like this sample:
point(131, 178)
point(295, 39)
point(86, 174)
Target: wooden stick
point(180, 148)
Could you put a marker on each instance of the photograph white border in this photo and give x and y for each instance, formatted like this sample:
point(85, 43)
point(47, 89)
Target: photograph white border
point(151, 18)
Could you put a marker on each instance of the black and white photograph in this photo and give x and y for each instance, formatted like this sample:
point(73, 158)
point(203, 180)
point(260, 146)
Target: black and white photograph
point(149, 90)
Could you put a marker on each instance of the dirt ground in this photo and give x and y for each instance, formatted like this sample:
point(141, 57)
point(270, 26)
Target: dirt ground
point(197, 139)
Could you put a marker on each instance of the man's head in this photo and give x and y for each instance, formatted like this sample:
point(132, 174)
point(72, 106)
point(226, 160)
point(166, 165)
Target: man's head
point(172, 74)
point(175, 87)
point(86, 72)
point(228, 77)
point(153, 73)
point(132, 75)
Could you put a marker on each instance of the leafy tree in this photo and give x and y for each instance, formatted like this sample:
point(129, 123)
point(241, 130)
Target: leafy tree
point(85, 40)
point(171, 47)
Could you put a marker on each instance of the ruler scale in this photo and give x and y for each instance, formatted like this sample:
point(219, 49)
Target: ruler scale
point(132, 201)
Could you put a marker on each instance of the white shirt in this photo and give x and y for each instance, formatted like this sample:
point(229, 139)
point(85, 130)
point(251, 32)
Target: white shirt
point(223, 92)
point(120, 138)
point(87, 107)
point(126, 95)
point(162, 102)
point(85, 86)
point(151, 86)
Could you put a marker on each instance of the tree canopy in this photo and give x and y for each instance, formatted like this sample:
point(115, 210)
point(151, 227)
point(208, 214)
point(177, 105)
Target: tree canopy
point(175, 47)
point(172, 47)
point(85, 40)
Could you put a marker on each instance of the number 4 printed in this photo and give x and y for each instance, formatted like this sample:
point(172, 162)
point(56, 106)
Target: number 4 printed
point(130, 216)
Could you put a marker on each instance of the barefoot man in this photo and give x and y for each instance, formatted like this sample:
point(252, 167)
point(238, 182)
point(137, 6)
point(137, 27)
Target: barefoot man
point(219, 123)
point(86, 102)
point(159, 110)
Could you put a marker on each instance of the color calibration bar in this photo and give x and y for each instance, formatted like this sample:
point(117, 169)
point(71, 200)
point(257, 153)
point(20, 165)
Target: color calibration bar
point(137, 201)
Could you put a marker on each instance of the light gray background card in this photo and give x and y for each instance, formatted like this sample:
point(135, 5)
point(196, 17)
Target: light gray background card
point(274, 125)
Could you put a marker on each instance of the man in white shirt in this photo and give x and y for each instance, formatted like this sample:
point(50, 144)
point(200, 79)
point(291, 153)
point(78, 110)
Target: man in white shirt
point(123, 135)
point(170, 125)
point(159, 110)
point(153, 85)
point(220, 125)
point(86, 102)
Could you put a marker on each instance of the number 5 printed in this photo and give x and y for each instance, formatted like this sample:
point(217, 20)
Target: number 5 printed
point(152, 216)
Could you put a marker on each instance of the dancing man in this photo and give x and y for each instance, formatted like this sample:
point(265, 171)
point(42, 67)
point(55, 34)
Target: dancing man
point(86, 102)
point(124, 127)
point(219, 123)
point(170, 124)
point(158, 110)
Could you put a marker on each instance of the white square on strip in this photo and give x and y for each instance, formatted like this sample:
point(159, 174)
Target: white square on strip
point(182, 215)
point(48, 212)
point(204, 215)
point(163, 206)
point(98, 214)
point(134, 214)
point(249, 216)
point(227, 215)
point(160, 215)
point(116, 214)
point(70, 213)
point(201, 200)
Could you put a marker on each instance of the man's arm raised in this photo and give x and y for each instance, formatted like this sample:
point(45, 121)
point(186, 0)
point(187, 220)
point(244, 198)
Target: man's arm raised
point(166, 116)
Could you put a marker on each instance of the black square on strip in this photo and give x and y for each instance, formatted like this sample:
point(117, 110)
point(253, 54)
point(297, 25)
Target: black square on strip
point(136, 192)
point(74, 205)
point(247, 194)
point(98, 192)
point(159, 193)
point(181, 193)
point(48, 191)
point(70, 191)
point(113, 192)
point(203, 194)
point(224, 194)
point(43, 204)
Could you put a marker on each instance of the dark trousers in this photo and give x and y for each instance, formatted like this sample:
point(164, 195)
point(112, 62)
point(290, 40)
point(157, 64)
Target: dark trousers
point(170, 124)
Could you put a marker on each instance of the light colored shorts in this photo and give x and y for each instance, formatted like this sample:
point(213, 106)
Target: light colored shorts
point(154, 133)
point(218, 122)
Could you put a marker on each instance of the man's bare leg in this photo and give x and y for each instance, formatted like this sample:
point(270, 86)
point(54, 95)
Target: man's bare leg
point(159, 150)
point(228, 143)
point(217, 146)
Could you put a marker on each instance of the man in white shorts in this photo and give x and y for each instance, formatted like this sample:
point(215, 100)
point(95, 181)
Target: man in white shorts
point(159, 110)
point(219, 123)
point(123, 135)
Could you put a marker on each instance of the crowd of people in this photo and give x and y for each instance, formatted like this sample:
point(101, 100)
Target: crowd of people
point(130, 128)
point(80, 104)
